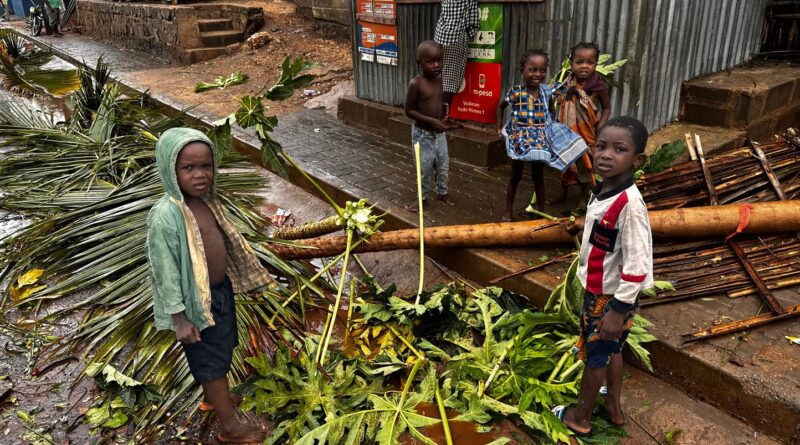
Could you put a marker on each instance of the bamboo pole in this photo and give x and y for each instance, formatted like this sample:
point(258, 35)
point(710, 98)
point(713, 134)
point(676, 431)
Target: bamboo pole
point(693, 222)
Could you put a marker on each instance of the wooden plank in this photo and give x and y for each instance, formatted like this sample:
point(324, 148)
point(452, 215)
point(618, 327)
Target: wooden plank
point(768, 170)
point(690, 146)
point(740, 325)
point(712, 193)
point(763, 290)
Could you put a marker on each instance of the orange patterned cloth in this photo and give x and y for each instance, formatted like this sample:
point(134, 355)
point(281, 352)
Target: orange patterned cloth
point(578, 110)
point(593, 350)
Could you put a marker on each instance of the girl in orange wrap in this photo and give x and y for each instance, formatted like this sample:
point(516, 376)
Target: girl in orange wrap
point(577, 101)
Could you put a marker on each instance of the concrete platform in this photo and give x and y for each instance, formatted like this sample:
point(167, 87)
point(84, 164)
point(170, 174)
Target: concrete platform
point(470, 145)
point(761, 99)
point(712, 138)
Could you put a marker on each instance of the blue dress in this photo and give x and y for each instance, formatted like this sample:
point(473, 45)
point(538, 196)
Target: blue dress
point(531, 134)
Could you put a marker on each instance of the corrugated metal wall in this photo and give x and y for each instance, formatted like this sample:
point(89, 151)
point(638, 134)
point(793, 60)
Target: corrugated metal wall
point(665, 42)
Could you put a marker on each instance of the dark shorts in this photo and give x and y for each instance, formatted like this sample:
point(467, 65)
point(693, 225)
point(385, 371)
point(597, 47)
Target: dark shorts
point(210, 358)
point(593, 350)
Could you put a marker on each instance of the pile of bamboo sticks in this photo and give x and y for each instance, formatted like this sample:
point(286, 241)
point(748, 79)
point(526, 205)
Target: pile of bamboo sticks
point(738, 176)
point(706, 268)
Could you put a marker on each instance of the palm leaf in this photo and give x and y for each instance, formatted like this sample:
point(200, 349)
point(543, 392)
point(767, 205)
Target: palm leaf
point(88, 188)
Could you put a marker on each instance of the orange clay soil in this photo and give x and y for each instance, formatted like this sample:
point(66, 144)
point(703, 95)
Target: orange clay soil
point(291, 34)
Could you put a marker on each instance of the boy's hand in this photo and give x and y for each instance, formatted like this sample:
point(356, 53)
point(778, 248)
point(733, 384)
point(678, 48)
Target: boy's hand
point(610, 326)
point(185, 331)
point(439, 125)
point(575, 227)
point(500, 132)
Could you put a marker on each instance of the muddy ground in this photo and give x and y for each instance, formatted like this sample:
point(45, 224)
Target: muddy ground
point(292, 35)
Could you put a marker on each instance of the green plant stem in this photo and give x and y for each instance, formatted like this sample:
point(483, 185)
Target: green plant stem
point(407, 387)
point(320, 273)
point(448, 438)
point(568, 372)
point(559, 365)
point(496, 369)
point(543, 215)
point(325, 195)
point(421, 223)
point(328, 331)
point(350, 304)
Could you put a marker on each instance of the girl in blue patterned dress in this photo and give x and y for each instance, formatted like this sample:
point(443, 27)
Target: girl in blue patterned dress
point(531, 135)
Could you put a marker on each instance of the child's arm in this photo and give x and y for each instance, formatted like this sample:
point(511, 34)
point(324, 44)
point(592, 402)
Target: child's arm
point(501, 108)
point(412, 98)
point(605, 103)
point(164, 267)
point(637, 264)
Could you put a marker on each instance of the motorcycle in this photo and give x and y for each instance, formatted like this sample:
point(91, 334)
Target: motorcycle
point(35, 20)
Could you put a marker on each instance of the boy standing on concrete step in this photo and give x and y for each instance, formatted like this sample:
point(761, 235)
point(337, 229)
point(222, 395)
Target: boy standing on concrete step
point(424, 104)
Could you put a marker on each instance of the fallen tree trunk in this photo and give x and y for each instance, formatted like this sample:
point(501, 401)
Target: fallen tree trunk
point(691, 222)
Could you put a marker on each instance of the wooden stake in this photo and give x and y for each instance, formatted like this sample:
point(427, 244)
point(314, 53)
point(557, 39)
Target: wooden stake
point(712, 194)
point(690, 147)
point(740, 325)
point(768, 170)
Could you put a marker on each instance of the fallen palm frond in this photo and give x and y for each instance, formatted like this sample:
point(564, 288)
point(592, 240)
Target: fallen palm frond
point(88, 187)
point(21, 70)
point(221, 82)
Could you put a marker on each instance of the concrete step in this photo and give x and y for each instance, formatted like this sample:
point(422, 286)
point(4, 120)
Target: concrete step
point(221, 38)
point(211, 25)
point(479, 148)
point(470, 145)
point(656, 407)
point(195, 55)
point(712, 138)
point(761, 100)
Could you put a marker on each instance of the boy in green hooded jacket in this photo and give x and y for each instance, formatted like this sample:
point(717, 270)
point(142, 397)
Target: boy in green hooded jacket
point(198, 261)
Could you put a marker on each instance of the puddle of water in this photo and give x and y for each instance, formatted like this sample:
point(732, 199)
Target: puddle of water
point(460, 431)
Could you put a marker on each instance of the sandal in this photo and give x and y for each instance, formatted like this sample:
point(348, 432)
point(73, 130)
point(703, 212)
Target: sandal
point(206, 407)
point(559, 411)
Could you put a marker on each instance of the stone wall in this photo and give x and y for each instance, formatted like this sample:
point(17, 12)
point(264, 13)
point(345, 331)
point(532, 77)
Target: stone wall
point(329, 14)
point(164, 31)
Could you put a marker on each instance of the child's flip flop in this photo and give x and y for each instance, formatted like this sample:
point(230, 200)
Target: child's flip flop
point(205, 406)
point(559, 411)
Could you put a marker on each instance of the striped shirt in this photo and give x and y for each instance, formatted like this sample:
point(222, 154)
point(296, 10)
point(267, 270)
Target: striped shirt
point(616, 255)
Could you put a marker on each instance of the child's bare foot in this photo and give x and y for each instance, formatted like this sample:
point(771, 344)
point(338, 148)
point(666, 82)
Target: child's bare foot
point(614, 411)
point(579, 428)
point(446, 199)
point(243, 433)
point(414, 207)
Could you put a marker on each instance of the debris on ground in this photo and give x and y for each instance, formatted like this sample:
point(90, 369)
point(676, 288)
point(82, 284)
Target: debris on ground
point(258, 40)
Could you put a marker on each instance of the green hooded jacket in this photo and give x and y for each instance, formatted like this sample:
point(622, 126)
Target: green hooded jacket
point(175, 248)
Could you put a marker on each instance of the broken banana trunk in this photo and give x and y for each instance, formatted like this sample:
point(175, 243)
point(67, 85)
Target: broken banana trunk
point(692, 222)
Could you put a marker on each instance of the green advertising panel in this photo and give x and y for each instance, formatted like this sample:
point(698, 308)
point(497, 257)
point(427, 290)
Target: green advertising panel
point(487, 45)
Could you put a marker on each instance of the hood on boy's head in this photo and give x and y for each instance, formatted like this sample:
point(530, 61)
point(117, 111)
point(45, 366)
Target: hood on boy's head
point(168, 147)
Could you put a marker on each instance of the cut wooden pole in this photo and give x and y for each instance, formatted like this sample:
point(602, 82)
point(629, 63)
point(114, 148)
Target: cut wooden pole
point(712, 193)
point(691, 222)
point(751, 271)
point(740, 325)
point(768, 170)
point(690, 146)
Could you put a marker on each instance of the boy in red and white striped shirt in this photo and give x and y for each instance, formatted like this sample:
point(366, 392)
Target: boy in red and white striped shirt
point(616, 263)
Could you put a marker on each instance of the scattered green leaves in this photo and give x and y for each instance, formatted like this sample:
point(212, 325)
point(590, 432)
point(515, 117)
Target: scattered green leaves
point(221, 82)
